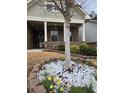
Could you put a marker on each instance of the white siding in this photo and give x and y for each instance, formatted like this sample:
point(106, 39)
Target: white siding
point(36, 11)
point(91, 32)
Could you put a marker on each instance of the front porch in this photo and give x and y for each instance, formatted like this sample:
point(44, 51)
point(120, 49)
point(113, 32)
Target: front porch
point(51, 34)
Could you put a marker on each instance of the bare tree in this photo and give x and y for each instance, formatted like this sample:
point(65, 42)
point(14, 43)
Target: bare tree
point(65, 6)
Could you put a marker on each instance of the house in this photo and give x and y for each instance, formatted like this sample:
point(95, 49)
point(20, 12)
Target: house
point(91, 30)
point(46, 26)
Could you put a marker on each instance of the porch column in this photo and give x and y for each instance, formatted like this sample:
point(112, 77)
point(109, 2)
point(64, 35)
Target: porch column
point(45, 31)
point(83, 32)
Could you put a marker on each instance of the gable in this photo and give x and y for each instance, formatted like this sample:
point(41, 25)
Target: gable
point(38, 11)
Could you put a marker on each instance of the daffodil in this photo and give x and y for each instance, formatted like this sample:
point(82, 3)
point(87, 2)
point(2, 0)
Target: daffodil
point(49, 78)
point(55, 79)
point(51, 86)
point(58, 82)
point(61, 89)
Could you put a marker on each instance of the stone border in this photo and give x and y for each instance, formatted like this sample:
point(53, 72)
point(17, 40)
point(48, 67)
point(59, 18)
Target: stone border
point(34, 85)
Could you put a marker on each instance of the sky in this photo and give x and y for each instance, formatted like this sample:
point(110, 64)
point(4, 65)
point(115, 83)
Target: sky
point(89, 5)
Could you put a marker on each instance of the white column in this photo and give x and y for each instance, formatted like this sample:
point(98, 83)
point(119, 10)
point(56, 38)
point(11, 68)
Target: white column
point(83, 32)
point(45, 31)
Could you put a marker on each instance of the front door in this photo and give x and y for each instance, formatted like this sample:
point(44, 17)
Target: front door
point(40, 39)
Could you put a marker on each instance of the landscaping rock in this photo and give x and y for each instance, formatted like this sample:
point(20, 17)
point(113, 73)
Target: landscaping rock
point(39, 89)
point(36, 68)
point(32, 75)
point(34, 82)
point(80, 74)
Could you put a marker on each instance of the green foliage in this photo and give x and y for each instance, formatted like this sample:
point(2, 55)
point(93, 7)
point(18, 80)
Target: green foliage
point(91, 52)
point(82, 49)
point(88, 89)
point(62, 58)
point(47, 83)
point(89, 63)
point(81, 90)
point(85, 49)
point(45, 74)
point(59, 90)
point(75, 49)
point(61, 47)
point(76, 90)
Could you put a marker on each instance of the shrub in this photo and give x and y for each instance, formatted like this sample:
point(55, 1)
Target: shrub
point(61, 47)
point(81, 90)
point(83, 48)
point(75, 49)
point(91, 51)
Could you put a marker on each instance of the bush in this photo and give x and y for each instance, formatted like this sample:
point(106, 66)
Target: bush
point(91, 52)
point(75, 49)
point(83, 48)
point(81, 90)
point(61, 47)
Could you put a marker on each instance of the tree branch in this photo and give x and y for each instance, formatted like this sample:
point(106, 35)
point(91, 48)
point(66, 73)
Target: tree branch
point(60, 9)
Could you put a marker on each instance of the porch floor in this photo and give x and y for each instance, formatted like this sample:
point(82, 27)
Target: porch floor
point(35, 50)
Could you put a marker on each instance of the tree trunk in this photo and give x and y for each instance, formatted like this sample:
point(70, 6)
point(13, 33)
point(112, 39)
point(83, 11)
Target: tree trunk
point(67, 42)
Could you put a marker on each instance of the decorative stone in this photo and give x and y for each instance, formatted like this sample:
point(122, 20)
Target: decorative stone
point(34, 82)
point(39, 89)
point(32, 75)
point(79, 75)
point(36, 68)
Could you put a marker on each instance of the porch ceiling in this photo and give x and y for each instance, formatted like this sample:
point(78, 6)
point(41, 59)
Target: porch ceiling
point(38, 25)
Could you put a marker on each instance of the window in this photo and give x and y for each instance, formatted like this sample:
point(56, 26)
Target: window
point(54, 35)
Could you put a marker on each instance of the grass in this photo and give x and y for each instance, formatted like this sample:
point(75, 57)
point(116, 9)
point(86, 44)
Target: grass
point(81, 90)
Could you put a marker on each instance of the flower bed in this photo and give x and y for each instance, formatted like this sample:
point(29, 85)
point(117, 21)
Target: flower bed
point(58, 79)
point(83, 49)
